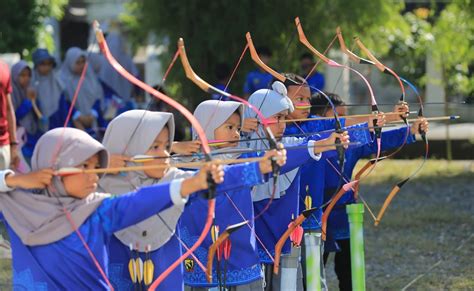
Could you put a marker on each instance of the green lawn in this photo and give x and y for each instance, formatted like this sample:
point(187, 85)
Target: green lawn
point(429, 222)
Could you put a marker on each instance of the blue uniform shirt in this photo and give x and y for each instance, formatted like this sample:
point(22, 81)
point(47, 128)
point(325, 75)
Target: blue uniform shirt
point(233, 205)
point(65, 264)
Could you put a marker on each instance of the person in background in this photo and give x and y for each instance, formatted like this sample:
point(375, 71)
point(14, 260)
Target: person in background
point(49, 91)
point(89, 102)
point(315, 79)
point(338, 222)
point(118, 91)
point(60, 234)
point(158, 105)
point(8, 142)
point(222, 74)
point(23, 97)
point(258, 79)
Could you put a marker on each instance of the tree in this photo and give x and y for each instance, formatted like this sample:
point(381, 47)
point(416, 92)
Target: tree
point(214, 31)
point(448, 35)
point(453, 46)
point(21, 22)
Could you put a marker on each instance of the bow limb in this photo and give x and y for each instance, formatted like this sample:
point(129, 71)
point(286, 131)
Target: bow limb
point(255, 57)
point(374, 61)
point(388, 71)
point(282, 78)
point(380, 66)
point(354, 58)
point(378, 132)
point(332, 63)
point(329, 208)
point(113, 62)
point(205, 86)
point(400, 184)
point(205, 146)
point(190, 74)
point(281, 242)
point(215, 246)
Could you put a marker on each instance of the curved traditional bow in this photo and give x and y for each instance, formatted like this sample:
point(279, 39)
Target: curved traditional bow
point(332, 63)
point(215, 246)
point(205, 86)
point(199, 130)
point(190, 74)
point(346, 187)
point(53, 162)
point(281, 242)
point(374, 61)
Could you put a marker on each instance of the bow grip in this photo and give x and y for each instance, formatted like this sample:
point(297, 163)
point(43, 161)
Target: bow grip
point(340, 149)
point(273, 145)
point(211, 185)
point(422, 132)
point(378, 131)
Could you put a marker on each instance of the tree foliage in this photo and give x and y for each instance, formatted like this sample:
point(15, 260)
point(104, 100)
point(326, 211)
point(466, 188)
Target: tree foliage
point(214, 31)
point(448, 35)
point(21, 22)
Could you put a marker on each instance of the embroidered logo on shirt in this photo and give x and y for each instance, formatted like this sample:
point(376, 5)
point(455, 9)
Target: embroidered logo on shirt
point(189, 265)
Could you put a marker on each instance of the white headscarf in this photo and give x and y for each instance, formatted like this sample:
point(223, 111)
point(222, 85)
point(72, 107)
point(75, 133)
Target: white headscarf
point(132, 133)
point(270, 102)
point(211, 114)
point(39, 219)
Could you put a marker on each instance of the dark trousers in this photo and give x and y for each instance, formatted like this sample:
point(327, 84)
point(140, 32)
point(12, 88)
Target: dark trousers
point(342, 264)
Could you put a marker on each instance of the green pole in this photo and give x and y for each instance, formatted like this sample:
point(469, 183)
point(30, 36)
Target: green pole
point(356, 225)
point(313, 260)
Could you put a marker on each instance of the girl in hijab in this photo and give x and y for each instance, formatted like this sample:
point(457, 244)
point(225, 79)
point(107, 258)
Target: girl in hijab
point(50, 91)
point(312, 174)
point(222, 121)
point(88, 106)
point(273, 222)
point(23, 97)
point(154, 241)
point(60, 233)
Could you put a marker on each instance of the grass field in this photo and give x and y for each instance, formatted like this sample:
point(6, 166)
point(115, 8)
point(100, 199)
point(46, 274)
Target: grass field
point(430, 223)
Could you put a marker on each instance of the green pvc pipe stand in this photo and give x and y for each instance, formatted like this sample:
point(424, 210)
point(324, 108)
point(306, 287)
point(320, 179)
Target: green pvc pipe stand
point(356, 226)
point(313, 260)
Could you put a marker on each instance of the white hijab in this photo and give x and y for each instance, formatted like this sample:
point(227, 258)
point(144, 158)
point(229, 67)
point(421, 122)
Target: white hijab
point(40, 219)
point(132, 133)
point(270, 102)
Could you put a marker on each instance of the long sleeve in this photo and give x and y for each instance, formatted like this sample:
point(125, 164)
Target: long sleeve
point(23, 109)
point(240, 176)
point(122, 211)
